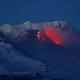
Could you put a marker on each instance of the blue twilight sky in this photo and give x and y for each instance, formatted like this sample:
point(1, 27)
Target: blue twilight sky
point(19, 11)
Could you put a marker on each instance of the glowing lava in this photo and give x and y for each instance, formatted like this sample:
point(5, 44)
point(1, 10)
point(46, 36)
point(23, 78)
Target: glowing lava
point(54, 35)
point(39, 36)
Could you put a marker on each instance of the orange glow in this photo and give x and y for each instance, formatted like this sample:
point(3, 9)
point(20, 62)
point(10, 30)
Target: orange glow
point(57, 42)
point(54, 35)
point(39, 36)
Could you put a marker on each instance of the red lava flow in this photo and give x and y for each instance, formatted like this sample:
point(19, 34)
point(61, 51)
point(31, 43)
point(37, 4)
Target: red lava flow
point(39, 36)
point(52, 34)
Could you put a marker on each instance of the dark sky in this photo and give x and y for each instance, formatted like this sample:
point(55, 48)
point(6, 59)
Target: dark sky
point(19, 11)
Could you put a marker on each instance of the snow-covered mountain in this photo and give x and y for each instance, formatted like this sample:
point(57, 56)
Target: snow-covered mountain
point(22, 49)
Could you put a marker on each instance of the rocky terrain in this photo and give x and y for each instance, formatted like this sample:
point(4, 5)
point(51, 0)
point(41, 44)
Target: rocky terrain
point(21, 50)
point(23, 76)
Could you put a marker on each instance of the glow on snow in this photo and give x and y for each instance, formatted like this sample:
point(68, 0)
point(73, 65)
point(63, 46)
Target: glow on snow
point(52, 34)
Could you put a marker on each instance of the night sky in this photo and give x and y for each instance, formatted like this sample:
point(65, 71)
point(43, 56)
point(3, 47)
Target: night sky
point(19, 11)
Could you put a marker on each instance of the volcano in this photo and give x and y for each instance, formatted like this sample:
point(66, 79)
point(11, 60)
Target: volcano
point(50, 48)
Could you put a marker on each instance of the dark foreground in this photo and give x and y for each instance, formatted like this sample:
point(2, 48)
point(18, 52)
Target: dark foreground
point(23, 76)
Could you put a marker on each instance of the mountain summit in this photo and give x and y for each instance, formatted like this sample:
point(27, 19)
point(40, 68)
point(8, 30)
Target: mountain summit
point(22, 32)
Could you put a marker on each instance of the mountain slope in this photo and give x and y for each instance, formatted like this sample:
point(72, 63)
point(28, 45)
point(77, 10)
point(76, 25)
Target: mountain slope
point(57, 60)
